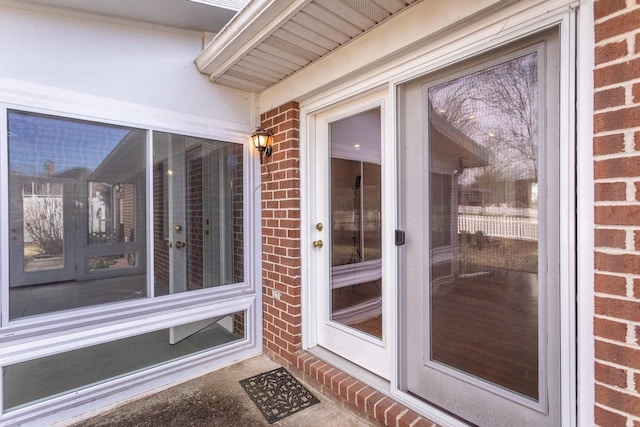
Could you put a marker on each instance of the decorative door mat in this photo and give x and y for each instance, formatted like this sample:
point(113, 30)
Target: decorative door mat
point(278, 394)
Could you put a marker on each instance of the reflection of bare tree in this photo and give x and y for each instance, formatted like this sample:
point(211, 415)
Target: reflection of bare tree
point(496, 107)
point(510, 90)
point(454, 104)
point(43, 221)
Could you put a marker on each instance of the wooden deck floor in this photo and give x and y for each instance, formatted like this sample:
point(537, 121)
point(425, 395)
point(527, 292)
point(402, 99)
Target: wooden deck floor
point(488, 327)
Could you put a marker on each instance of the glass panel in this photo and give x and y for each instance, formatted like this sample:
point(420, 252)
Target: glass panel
point(483, 145)
point(198, 213)
point(111, 212)
point(42, 220)
point(73, 184)
point(40, 379)
point(356, 272)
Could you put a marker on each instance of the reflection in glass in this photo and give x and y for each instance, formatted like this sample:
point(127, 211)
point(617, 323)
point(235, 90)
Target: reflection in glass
point(111, 261)
point(356, 273)
point(69, 179)
point(40, 379)
point(111, 212)
point(43, 237)
point(483, 219)
point(198, 213)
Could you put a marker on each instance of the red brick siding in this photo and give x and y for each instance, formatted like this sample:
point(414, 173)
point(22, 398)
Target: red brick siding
point(351, 393)
point(617, 212)
point(124, 211)
point(281, 264)
point(237, 165)
point(160, 248)
point(194, 236)
point(238, 323)
point(281, 233)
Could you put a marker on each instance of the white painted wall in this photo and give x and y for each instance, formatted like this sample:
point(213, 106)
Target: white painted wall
point(113, 58)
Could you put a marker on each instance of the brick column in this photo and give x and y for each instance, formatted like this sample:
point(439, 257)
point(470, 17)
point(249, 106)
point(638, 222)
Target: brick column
point(617, 212)
point(282, 324)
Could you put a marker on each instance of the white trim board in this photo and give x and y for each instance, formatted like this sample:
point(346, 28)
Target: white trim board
point(46, 99)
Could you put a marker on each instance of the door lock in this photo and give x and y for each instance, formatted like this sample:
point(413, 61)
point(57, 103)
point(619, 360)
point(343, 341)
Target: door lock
point(319, 226)
point(317, 243)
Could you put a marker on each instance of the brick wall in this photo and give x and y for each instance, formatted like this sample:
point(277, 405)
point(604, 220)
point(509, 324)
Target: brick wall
point(281, 233)
point(160, 248)
point(617, 212)
point(237, 170)
point(194, 217)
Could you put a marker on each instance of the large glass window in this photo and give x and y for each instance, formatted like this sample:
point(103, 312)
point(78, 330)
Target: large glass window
point(76, 226)
point(78, 214)
point(35, 380)
point(198, 206)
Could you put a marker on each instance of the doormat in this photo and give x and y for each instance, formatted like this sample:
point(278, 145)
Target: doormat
point(278, 394)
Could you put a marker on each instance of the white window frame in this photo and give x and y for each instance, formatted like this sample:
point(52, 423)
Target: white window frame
point(40, 336)
point(475, 37)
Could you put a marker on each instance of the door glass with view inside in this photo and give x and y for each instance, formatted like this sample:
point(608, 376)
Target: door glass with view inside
point(356, 217)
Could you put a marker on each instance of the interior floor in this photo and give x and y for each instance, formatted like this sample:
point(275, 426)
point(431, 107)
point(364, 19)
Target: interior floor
point(487, 326)
point(350, 296)
point(48, 298)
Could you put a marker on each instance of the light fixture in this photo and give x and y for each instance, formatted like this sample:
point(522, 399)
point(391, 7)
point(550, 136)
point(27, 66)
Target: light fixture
point(263, 141)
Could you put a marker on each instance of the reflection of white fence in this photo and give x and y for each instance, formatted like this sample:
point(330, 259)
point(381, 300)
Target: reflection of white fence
point(508, 227)
point(497, 211)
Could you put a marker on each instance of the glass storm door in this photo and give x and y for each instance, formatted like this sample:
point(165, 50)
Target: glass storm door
point(480, 171)
point(348, 249)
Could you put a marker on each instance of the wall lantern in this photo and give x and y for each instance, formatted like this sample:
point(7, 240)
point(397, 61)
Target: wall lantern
point(262, 140)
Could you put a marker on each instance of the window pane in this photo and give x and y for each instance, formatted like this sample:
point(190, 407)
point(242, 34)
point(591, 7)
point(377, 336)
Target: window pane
point(111, 212)
point(29, 382)
point(483, 209)
point(76, 192)
point(43, 238)
point(198, 213)
point(356, 213)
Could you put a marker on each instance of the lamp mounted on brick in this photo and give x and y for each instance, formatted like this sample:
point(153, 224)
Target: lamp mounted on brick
point(263, 141)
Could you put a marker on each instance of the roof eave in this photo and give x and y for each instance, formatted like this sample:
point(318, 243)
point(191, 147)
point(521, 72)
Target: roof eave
point(247, 29)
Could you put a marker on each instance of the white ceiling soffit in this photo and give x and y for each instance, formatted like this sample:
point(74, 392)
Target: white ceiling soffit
point(271, 39)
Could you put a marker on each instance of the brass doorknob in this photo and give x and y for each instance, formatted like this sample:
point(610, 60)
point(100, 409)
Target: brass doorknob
point(180, 244)
point(317, 243)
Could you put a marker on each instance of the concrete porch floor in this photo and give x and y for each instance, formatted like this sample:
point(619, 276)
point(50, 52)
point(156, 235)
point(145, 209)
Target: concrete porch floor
point(217, 399)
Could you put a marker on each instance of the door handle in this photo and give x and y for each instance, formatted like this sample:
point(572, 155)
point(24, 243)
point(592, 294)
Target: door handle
point(180, 245)
point(317, 243)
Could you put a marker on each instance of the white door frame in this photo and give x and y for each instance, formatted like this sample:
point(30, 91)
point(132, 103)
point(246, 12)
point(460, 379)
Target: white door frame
point(368, 352)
